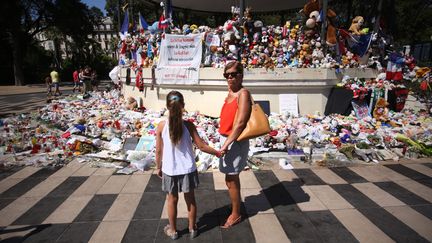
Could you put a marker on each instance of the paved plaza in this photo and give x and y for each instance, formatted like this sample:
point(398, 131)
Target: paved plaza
point(388, 202)
point(78, 203)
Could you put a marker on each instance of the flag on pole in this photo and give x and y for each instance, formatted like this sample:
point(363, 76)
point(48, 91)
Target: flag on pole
point(394, 67)
point(358, 44)
point(163, 23)
point(125, 25)
point(142, 23)
point(169, 9)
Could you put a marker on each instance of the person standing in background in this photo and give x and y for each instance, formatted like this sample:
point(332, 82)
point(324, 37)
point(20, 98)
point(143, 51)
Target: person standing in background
point(87, 80)
point(55, 81)
point(48, 83)
point(94, 81)
point(76, 81)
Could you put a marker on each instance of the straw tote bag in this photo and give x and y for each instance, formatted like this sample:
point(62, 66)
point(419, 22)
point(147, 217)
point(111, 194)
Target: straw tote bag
point(257, 125)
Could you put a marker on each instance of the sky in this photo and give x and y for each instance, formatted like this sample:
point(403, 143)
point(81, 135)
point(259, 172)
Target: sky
point(97, 3)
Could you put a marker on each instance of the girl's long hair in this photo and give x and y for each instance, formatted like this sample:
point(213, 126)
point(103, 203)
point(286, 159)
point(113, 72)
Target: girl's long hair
point(175, 105)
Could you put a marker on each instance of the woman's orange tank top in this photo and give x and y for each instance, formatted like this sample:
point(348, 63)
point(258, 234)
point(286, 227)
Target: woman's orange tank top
point(227, 117)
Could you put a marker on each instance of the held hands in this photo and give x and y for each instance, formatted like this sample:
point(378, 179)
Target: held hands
point(159, 173)
point(220, 153)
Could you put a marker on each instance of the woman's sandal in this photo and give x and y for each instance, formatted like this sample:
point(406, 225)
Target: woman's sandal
point(169, 233)
point(228, 224)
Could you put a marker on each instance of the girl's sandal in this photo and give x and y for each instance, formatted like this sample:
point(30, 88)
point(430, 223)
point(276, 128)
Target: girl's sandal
point(228, 224)
point(169, 233)
point(193, 232)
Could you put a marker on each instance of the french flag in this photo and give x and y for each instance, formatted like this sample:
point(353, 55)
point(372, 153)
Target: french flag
point(125, 26)
point(358, 44)
point(394, 67)
point(142, 23)
point(163, 23)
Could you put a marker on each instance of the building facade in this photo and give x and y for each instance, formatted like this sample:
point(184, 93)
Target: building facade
point(107, 36)
point(104, 33)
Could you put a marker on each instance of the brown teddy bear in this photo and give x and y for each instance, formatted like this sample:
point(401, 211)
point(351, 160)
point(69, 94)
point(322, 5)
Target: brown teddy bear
point(380, 112)
point(313, 5)
point(356, 25)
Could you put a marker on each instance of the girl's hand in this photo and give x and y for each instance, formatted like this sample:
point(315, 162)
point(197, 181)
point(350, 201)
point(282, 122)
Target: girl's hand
point(220, 153)
point(159, 173)
point(224, 150)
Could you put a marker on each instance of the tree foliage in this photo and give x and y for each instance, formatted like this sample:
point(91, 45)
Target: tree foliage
point(23, 20)
point(408, 22)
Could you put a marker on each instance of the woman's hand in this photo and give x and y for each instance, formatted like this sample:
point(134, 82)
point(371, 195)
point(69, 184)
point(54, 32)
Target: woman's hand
point(220, 153)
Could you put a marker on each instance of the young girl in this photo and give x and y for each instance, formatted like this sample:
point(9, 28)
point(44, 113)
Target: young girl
point(175, 161)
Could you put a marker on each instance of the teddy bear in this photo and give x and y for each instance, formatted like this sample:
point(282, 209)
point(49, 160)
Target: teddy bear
point(280, 62)
point(380, 112)
point(303, 51)
point(131, 103)
point(310, 10)
point(293, 32)
point(356, 25)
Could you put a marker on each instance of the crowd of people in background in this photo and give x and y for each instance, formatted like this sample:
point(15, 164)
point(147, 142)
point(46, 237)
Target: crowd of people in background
point(84, 80)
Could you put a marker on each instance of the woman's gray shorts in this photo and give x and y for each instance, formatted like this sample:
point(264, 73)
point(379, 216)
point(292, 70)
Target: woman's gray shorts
point(180, 183)
point(235, 160)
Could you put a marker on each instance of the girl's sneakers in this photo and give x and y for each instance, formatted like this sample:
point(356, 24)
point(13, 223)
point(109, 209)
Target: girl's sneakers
point(193, 233)
point(174, 235)
point(171, 234)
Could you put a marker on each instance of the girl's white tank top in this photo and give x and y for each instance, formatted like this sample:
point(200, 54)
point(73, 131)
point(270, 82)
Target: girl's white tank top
point(177, 159)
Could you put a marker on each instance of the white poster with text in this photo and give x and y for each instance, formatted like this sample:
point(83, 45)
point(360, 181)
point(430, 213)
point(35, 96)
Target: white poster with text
point(179, 59)
point(288, 104)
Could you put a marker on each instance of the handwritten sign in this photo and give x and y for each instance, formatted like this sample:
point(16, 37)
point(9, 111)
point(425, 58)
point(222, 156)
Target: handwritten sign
point(180, 59)
point(288, 104)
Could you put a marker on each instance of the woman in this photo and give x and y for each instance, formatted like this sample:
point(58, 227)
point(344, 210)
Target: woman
point(233, 119)
point(94, 81)
point(87, 80)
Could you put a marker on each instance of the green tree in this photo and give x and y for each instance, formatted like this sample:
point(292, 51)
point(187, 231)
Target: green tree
point(23, 20)
point(96, 13)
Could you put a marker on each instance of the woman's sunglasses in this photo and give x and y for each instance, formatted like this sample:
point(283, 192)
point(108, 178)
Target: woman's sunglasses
point(233, 74)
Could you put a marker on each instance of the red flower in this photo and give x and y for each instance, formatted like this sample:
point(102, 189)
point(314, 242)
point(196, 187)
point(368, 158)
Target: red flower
point(424, 85)
point(273, 133)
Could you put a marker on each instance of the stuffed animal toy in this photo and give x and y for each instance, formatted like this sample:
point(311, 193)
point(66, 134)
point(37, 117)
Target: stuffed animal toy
point(286, 29)
point(380, 112)
point(309, 11)
point(356, 25)
point(131, 103)
point(313, 19)
point(280, 62)
point(293, 32)
point(318, 53)
point(310, 6)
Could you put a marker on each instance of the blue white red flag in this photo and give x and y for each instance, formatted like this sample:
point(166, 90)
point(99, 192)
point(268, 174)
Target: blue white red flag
point(142, 23)
point(358, 44)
